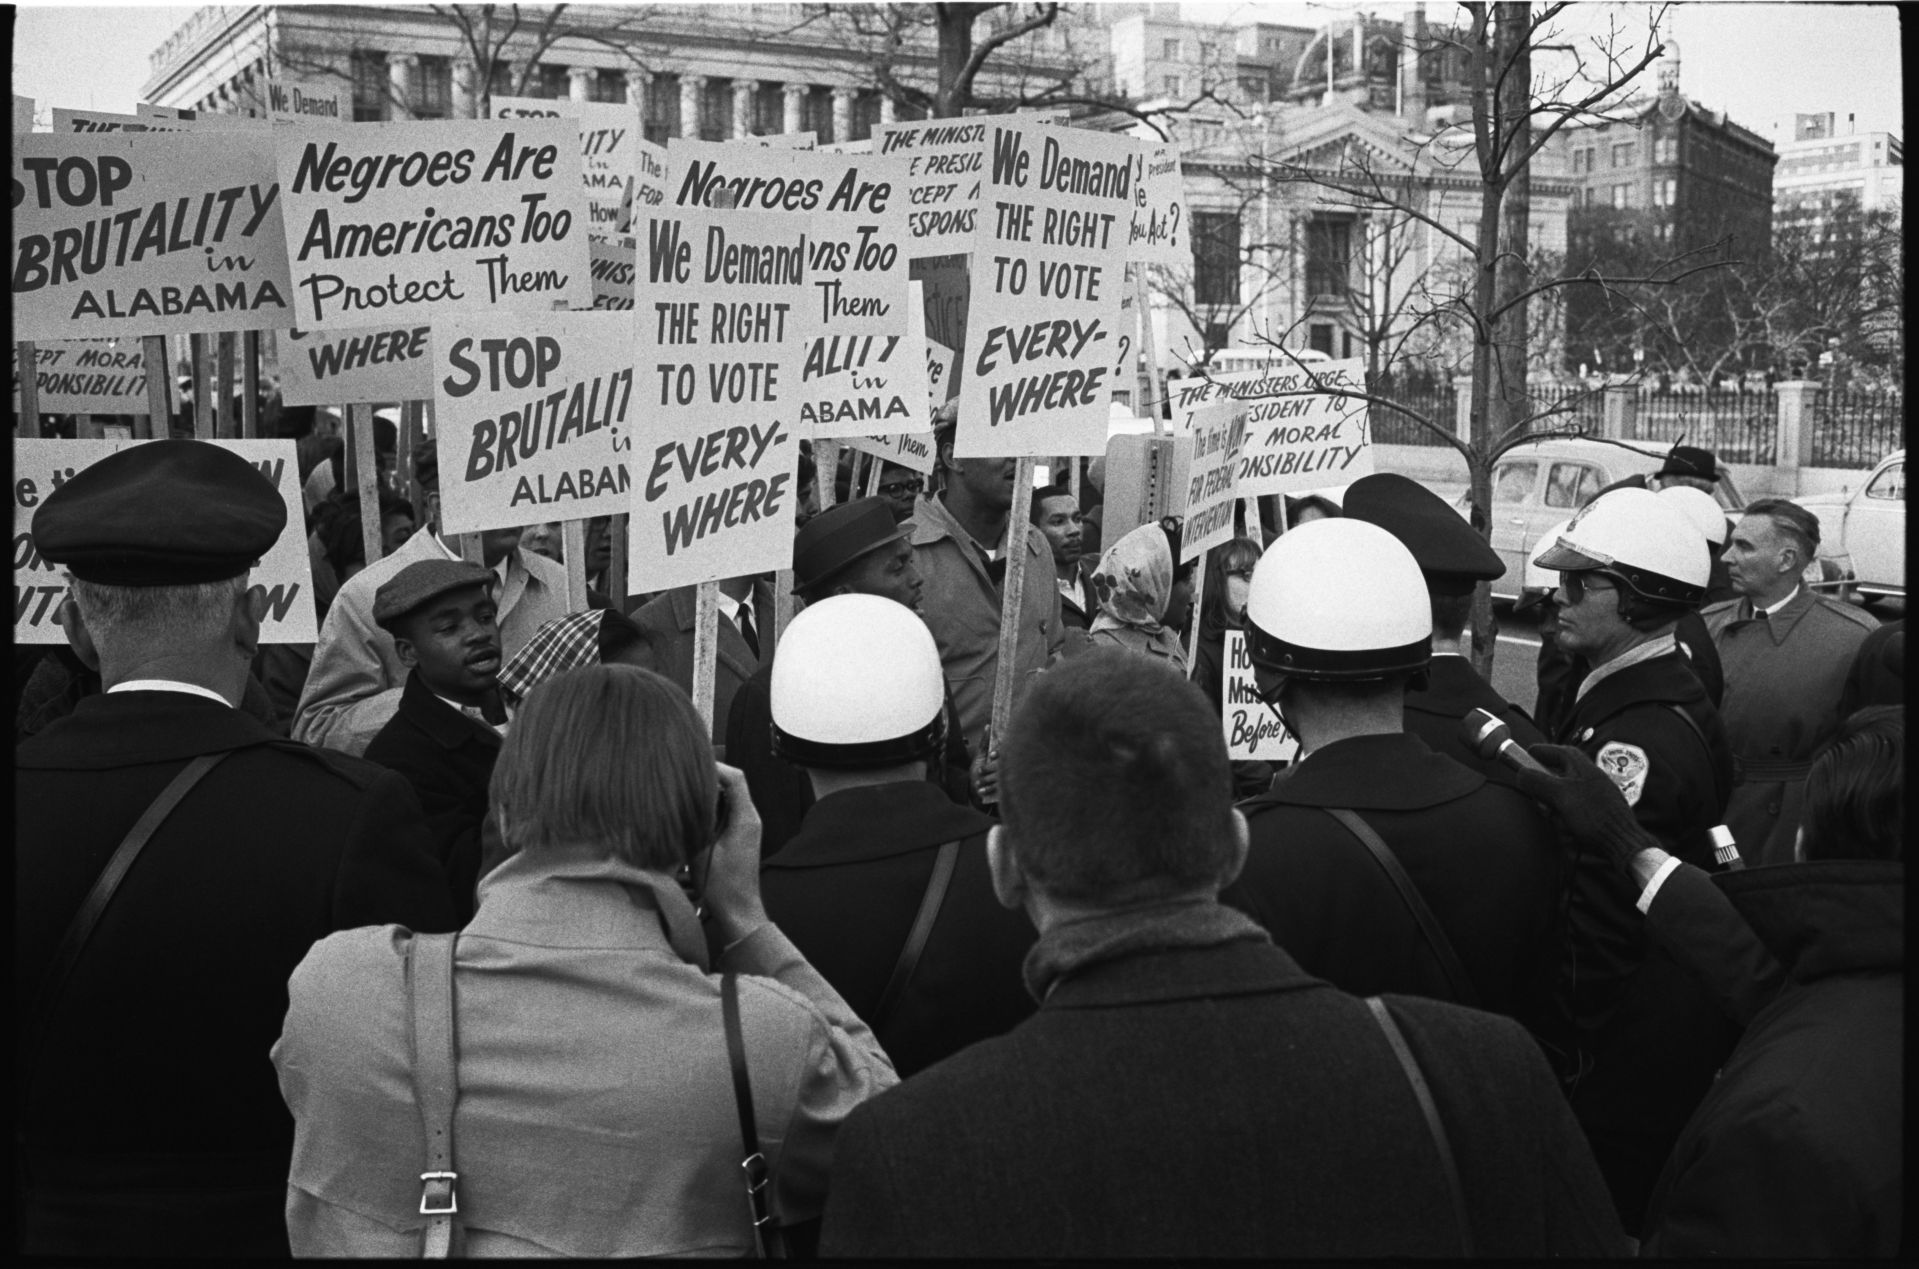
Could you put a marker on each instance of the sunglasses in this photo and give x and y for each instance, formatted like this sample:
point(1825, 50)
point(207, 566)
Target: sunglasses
point(1577, 586)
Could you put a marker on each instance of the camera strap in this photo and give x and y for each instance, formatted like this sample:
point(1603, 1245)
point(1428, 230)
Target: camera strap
point(1449, 963)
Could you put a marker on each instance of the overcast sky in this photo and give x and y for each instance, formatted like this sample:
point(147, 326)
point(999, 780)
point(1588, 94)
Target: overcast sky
point(1760, 63)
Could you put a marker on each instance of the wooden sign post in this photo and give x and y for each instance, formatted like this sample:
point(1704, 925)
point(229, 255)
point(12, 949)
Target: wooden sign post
point(573, 538)
point(1155, 377)
point(226, 424)
point(706, 646)
point(616, 584)
point(826, 470)
point(202, 403)
point(364, 476)
point(153, 350)
point(250, 384)
point(1011, 592)
point(27, 365)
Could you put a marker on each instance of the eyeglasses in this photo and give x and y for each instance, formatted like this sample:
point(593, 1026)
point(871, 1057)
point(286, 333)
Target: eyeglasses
point(901, 488)
point(1577, 586)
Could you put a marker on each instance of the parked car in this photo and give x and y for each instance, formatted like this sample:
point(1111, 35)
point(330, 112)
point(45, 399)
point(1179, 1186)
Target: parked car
point(1862, 535)
point(1541, 483)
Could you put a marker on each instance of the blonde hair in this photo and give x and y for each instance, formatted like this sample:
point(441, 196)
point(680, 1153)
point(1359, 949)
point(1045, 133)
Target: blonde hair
point(610, 756)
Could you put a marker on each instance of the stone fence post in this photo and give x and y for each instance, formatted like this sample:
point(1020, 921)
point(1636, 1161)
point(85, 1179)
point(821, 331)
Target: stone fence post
point(1792, 441)
point(1621, 400)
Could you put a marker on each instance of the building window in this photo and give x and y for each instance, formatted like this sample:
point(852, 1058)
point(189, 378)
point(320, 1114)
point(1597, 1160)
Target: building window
point(1579, 161)
point(769, 109)
point(608, 86)
point(549, 81)
point(433, 88)
point(1622, 155)
point(1219, 335)
point(1592, 196)
point(866, 116)
point(1170, 85)
point(817, 116)
point(1663, 191)
point(1169, 49)
point(1319, 337)
point(661, 118)
point(1329, 249)
point(1622, 196)
point(1665, 150)
point(1215, 258)
point(369, 87)
point(1208, 53)
point(716, 109)
point(1346, 343)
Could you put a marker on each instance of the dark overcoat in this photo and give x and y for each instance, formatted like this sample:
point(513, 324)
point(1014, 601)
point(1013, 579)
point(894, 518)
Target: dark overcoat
point(1217, 1101)
point(668, 621)
point(1453, 690)
point(153, 1120)
point(846, 891)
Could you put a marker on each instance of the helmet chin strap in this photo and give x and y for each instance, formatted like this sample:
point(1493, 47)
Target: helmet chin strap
point(1271, 701)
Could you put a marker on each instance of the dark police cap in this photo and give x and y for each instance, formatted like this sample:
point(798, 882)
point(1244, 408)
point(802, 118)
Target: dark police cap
point(1451, 555)
point(1689, 460)
point(840, 535)
point(419, 584)
point(162, 513)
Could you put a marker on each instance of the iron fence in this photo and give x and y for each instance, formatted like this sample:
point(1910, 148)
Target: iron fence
point(1390, 427)
point(1740, 426)
point(1857, 428)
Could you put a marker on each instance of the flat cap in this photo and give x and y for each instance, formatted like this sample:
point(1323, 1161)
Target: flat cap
point(839, 535)
point(1689, 460)
point(421, 583)
point(162, 513)
point(1451, 555)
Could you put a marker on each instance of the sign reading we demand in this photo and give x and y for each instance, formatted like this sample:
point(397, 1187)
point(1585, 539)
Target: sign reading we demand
point(400, 222)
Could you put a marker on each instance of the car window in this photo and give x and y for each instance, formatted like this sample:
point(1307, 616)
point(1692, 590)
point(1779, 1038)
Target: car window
point(1570, 484)
point(1513, 482)
point(1890, 483)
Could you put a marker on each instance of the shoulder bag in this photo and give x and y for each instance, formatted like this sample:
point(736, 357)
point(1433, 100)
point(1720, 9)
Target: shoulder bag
point(1449, 963)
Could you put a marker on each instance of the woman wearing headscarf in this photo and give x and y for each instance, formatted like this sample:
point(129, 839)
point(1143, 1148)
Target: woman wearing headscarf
point(593, 1105)
point(1133, 583)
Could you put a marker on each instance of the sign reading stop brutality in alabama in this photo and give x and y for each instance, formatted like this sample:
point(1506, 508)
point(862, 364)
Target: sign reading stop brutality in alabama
point(609, 142)
point(405, 222)
point(1211, 484)
point(530, 414)
point(1159, 210)
point(88, 376)
point(371, 363)
point(721, 333)
point(1253, 730)
point(914, 448)
point(42, 466)
point(140, 233)
point(1049, 264)
point(1296, 437)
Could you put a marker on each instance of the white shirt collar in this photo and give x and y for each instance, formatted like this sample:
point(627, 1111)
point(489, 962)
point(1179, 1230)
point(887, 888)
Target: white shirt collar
point(471, 711)
point(168, 685)
point(731, 606)
point(1772, 611)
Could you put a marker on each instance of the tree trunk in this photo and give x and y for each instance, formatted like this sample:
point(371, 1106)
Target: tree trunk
point(1488, 105)
point(955, 25)
point(1512, 334)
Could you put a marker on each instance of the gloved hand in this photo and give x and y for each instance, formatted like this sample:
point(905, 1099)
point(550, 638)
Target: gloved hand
point(1590, 806)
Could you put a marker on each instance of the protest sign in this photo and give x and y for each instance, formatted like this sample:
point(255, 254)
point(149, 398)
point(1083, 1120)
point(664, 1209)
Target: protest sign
point(135, 233)
point(88, 376)
point(946, 164)
point(1252, 728)
point(720, 342)
point(197, 120)
point(22, 114)
point(294, 101)
point(609, 144)
point(1296, 438)
point(1211, 477)
point(41, 466)
point(914, 448)
point(940, 363)
point(530, 417)
point(781, 141)
point(65, 120)
point(370, 363)
point(1159, 230)
point(613, 262)
point(405, 222)
point(649, 180)
point(1051, 241)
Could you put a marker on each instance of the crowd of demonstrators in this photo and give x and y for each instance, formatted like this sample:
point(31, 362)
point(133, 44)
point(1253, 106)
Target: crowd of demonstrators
point(1482, 1008)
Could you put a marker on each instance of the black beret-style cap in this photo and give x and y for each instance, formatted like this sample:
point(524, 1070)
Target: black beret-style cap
point(1448, 551)
point(421, 583)
point(1689, 460)
point(161, 513)
point(839, 535)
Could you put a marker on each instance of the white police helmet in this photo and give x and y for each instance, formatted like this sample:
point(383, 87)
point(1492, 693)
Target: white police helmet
point(1338, 600)
point(857, 683)
point(1642, 539)
point(1699, 507)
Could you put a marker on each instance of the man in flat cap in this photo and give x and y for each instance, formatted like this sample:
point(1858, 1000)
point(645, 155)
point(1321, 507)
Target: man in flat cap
point(1453, 559)
point(441, 615)
point(152, 1123)
point(855, 548)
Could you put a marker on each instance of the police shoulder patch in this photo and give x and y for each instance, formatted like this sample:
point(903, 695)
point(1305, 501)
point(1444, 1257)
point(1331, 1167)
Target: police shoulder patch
point(1626, 766)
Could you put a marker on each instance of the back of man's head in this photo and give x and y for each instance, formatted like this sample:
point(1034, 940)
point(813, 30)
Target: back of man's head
point(1114, 783)
point(1856, 789)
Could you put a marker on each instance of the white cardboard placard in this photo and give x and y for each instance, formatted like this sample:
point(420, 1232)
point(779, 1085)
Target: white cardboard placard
point(614, 260)
point(1296, 438)
point(1253, 731)
point(367, 363)
point(1212, 485)
point(88, 376)
point(609, 146)
point(1160, 234)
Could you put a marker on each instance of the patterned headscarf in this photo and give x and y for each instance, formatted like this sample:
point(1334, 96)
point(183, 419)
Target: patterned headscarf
point(565, 643)
point(1134, 581)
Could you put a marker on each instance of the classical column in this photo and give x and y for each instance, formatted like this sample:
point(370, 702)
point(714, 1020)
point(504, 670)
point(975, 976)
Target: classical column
point(399, 78)
point(692, 89)
point(888, 110)
point(795, 117)
point(843, 99)
point(637, 82)
point(465, 76)
point(743, 92)
point(579, 82)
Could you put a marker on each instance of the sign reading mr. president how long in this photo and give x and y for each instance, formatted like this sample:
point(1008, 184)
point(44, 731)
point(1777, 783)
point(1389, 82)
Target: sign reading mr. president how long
point(402, 222)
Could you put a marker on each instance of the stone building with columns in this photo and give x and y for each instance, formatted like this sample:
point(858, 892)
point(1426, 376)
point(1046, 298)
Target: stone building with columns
point(709, 71)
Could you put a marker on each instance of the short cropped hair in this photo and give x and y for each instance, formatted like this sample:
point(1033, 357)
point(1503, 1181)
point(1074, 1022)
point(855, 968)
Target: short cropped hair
point(1114, 782)
point(1044, 492)
point(1450, 613)
point(1799, 525)
point(610, 757)
point(1856, 790)
point(148, 617)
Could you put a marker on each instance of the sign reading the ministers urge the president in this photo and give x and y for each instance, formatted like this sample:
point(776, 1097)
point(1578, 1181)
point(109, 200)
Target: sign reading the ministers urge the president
point(404, 222)
point(530, 417)
point(42, 466)
point(87, 376)
point(1298, 434)
point(1212, 485)
point(1049, 263)
point(140, 233)
point(722, 329)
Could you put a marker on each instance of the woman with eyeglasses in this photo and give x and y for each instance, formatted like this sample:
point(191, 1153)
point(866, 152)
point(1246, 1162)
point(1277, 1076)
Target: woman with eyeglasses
point(1229, 575)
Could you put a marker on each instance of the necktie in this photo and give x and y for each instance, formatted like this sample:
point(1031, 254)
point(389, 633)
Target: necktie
point(746, 629)
point(492, 709)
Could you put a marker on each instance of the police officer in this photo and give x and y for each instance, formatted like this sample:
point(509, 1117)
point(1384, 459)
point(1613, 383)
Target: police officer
point(1378, 863)
point(152, 1122)
point(1630, 566)
point(885, 889)
point(1454, 560)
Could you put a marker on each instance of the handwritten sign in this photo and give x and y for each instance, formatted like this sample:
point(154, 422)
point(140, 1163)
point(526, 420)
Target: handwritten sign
point(88, 376)
point(139, 233)
point(1296, 438)
point(370, 363)
point(721, 336)
point(1160, 234)
point(609, 146)
point(1253, 730)
point(530, 415)
point(405, 222)
point(294, 101)
point(1212, 486)
point(41, 466)
point(947, 166)
point(613, 261)
point(649, 180)
point(1049, 264)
